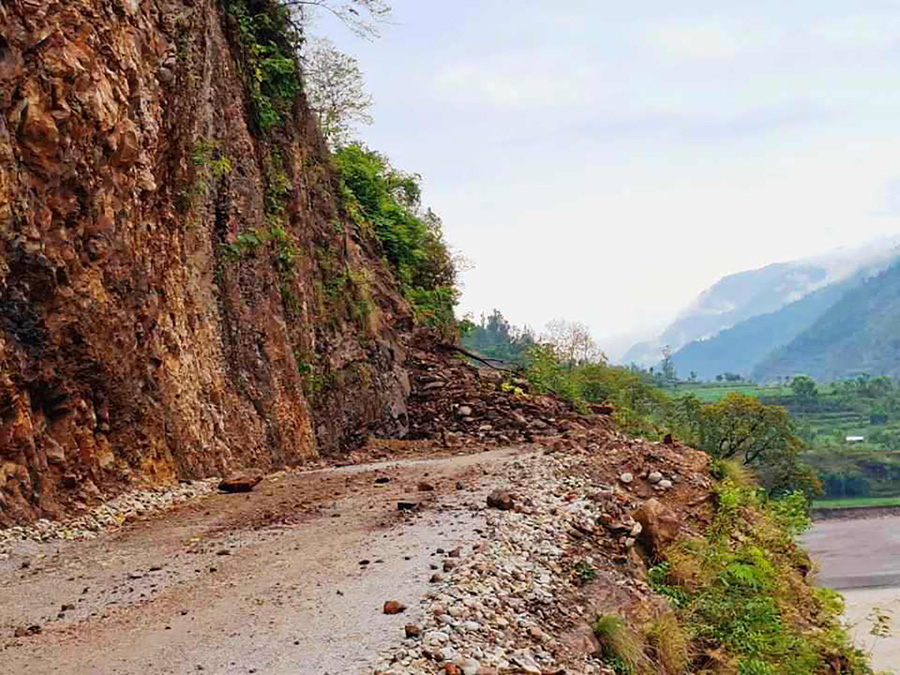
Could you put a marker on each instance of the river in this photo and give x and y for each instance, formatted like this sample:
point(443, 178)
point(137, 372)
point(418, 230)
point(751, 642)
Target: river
point(861, 559)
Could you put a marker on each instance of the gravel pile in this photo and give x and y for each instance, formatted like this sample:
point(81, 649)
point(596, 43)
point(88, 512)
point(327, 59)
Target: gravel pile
point(112, 514)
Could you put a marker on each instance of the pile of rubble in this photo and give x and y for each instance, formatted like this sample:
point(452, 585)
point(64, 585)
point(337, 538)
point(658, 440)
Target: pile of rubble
point(111, 514)
point(458, 403)
point(566, 539)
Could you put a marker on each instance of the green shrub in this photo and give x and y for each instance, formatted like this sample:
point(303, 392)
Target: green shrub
point(269, 45)
point(385, 203)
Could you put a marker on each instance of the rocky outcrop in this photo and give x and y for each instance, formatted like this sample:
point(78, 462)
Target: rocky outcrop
point(140, 340)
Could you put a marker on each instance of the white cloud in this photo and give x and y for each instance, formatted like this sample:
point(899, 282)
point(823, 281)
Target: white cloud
point(864, 31)
point(709, 40)
point(515, 81)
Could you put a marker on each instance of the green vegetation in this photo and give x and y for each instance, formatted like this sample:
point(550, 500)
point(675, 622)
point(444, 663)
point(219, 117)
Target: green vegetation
point(854, 503)
point(740, 604)
point(385, 204)
point(824, 416)
point(739, 593)
point(622, 648)
point(494, 337)
point(269, 42)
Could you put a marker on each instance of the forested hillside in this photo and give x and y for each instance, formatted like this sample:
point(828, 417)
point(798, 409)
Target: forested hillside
point(856, 335)
point(754, 293)
point(742, 348)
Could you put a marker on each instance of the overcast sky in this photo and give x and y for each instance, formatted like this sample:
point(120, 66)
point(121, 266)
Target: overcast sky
point(607, 161)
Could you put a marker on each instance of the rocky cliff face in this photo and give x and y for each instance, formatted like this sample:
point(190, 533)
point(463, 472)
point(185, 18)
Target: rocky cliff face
point(179, 292)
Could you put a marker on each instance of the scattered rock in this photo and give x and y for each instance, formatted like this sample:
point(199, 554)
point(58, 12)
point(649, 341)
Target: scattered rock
point(412, 631)
point(665, 484)
point(394, 607)
point(464, 411)
point(242, 481)
point(425, 486)
point(501, 500)
point(654, 477)
point(626, 478)
point(407, 506)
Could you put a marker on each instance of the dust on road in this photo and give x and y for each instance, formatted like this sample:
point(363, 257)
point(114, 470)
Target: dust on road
point(271, 582)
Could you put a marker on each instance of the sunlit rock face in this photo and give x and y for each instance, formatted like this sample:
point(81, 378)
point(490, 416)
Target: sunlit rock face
point(133, 348)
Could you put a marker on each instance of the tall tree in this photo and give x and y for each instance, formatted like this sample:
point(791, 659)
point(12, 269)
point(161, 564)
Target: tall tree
point(361, 16)
point(336, 91)
point(572, 342)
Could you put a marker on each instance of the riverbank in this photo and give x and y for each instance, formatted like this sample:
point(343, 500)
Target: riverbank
point(861, 559)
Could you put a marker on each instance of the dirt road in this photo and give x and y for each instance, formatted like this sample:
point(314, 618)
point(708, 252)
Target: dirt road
point(288, 579)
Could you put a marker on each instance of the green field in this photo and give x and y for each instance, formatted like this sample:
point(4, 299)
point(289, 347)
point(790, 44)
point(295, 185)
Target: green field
point(865, 473)
point(855, 503)
point(710, 393)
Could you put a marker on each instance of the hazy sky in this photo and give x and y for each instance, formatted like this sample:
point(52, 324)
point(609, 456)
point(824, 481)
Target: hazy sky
point(606, 161)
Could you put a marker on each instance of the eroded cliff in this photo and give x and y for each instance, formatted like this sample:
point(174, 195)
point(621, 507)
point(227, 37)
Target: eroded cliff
point(180, 294)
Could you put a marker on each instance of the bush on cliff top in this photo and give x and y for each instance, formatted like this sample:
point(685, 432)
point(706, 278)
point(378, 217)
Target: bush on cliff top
point(386, 204)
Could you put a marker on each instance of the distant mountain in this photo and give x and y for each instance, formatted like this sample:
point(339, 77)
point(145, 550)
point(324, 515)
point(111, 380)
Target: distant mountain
point(745, 295)
point(860, 333)
point(741, 348)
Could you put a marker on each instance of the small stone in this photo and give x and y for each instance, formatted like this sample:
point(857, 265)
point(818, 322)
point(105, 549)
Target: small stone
point(437, 577)
point(394, 607)
point(626, 478)
point(425, 486)
point(464, 411)
point(412, 631)
point(407, 506)
point(381, 480)
point(655, 477)
point(501, 500)
point(665, 484)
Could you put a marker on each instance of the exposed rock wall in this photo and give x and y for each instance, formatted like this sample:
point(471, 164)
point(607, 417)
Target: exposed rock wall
point(138, 343)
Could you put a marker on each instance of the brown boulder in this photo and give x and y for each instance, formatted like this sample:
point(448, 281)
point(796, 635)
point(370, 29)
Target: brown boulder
point(240, 482)
point(660, 525)
point(501, 500)
point(394, 607)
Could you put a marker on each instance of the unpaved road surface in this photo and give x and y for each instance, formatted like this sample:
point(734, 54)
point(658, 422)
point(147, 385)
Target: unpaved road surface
point(270, 582)
point(861, 559)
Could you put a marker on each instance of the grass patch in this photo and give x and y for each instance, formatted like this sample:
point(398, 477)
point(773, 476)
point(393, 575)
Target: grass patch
point(856, 502)
point(622, 647)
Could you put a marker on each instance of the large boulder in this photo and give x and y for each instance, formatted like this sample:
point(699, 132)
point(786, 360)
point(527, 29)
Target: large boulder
point(501, 500)
point(243, 481)
point(660, 525)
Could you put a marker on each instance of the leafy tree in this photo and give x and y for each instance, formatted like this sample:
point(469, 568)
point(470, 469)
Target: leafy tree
point(336, 91)
point(740, 427)
point(804, 388)
point(668, 366)
point(496, 337)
